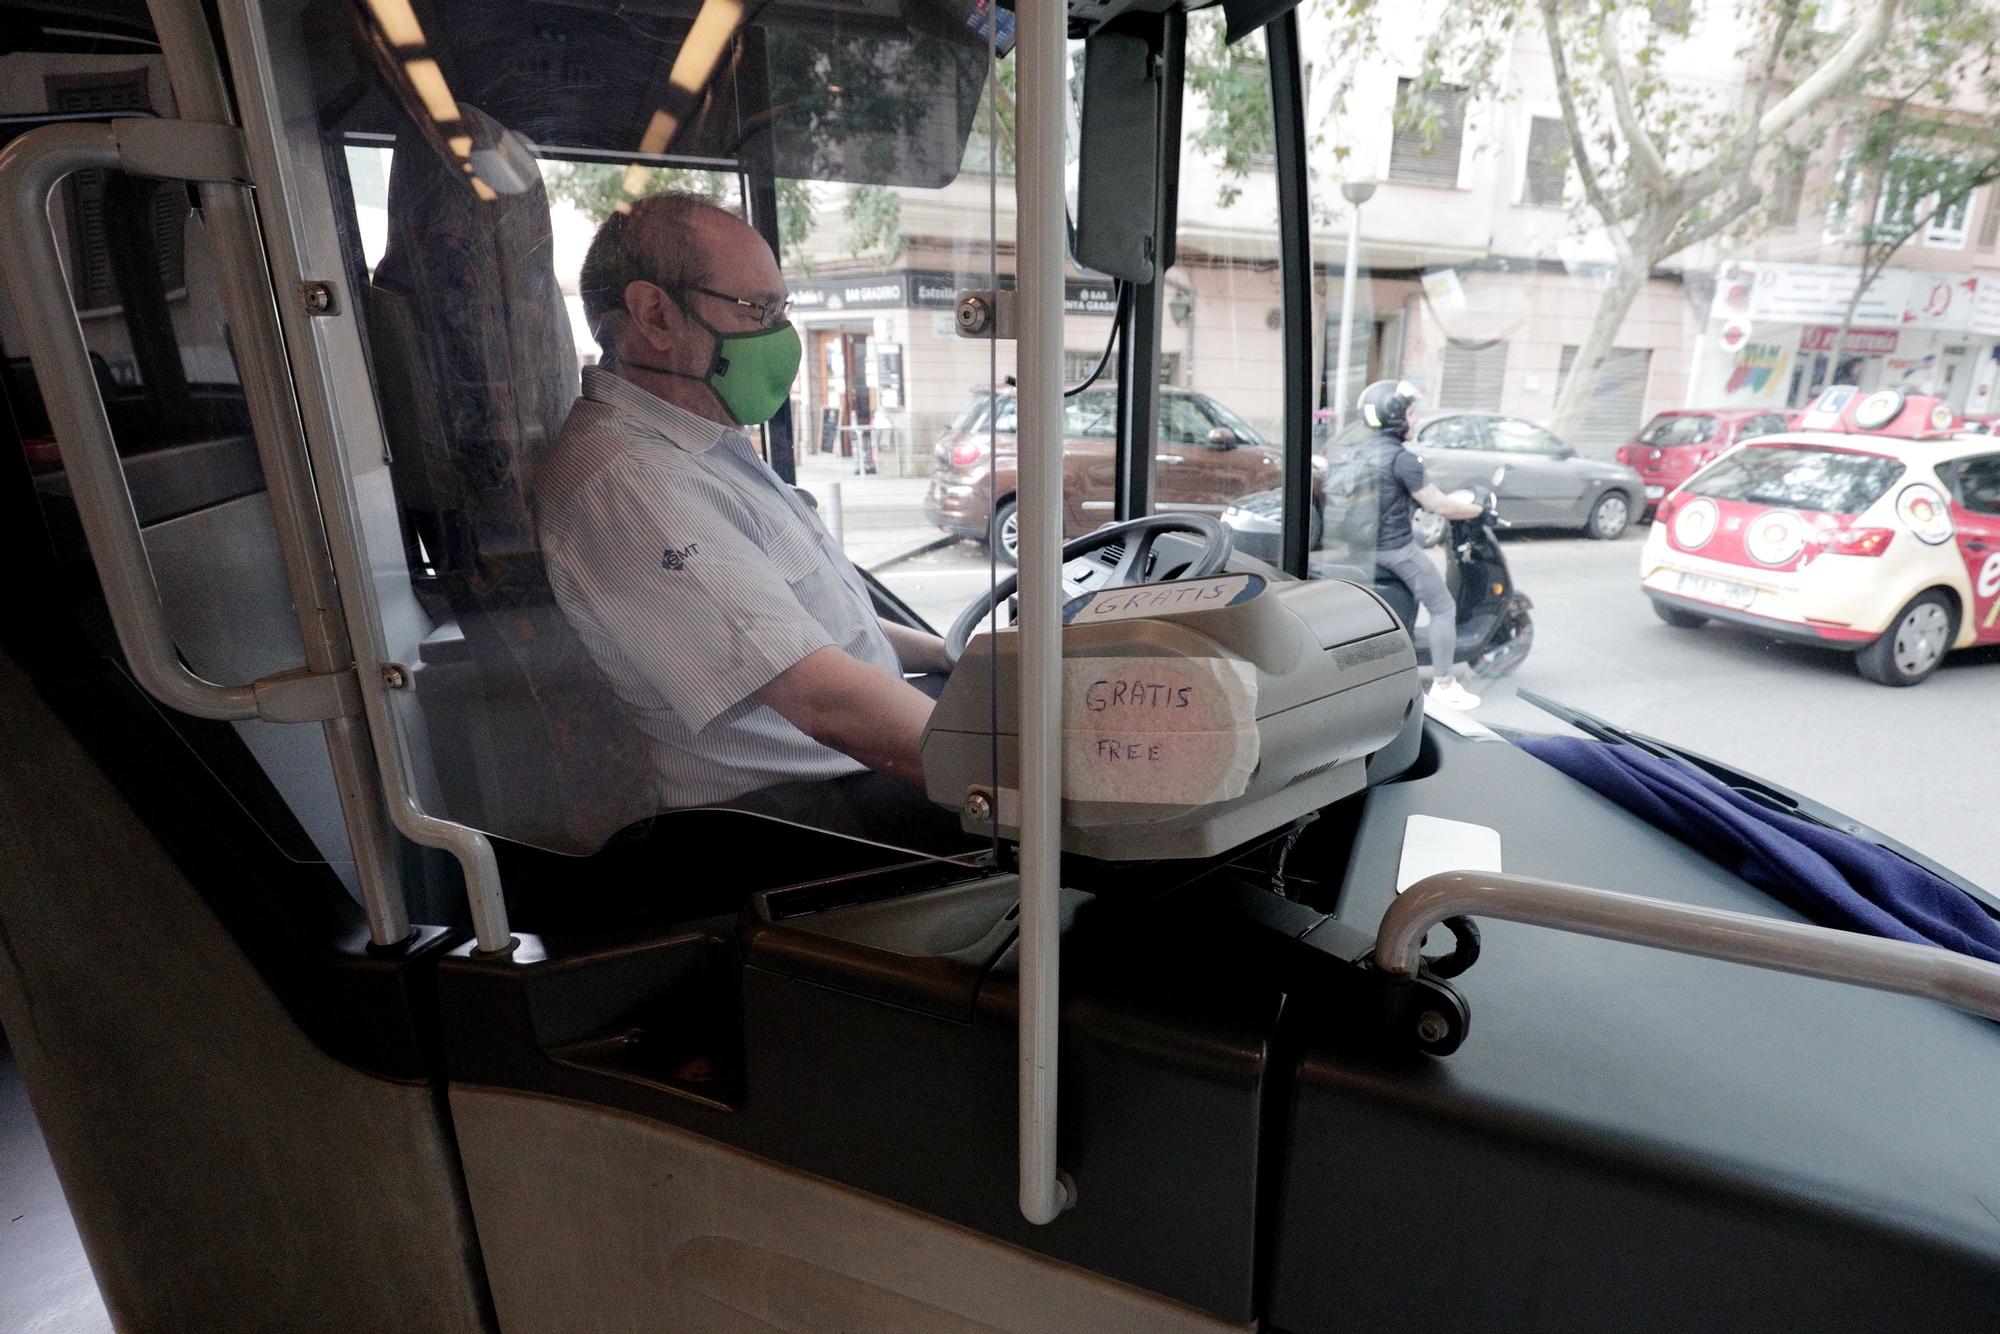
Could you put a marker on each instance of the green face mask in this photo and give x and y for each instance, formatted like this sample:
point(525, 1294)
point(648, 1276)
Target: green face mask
point(751, 372)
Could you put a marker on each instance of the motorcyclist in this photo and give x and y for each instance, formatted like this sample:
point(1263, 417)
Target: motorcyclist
point(1388, 408)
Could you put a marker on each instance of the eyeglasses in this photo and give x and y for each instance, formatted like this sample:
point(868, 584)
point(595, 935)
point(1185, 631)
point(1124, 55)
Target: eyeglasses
point(768, 314)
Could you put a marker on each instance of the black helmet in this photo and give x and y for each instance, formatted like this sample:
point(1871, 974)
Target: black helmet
point(1385, 405)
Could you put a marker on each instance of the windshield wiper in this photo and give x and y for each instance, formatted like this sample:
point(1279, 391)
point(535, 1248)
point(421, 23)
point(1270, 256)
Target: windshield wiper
point(1763, 792)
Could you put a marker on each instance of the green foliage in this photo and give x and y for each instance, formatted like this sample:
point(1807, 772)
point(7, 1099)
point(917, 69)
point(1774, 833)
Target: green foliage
point(876, 215)
point(597, 188)
point(990, 145)
point(1234, 85)
point(1907, 157)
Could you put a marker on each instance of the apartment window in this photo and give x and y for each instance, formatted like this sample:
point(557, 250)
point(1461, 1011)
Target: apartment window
point(1903, 196)
point(1951, 224)
point(1548, 162)
point(1841, 201)
point(1442, 109)
point(1786, 193)
point(1989, 221)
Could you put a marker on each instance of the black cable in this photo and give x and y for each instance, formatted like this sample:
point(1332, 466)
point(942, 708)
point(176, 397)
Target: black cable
point(1117, 323)
point(1291, 840)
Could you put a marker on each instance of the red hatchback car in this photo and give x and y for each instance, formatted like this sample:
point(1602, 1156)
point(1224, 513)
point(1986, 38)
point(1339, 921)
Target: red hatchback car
point(1675, 445)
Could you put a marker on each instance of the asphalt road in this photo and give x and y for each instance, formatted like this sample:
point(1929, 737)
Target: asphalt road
point(1910, 762)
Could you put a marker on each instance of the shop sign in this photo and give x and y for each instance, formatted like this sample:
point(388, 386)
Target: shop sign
point(1986, 310)
point(1859, 342)
point(1808, 294)
point(867, 291)
point(1940, 301)
point(931, 291)
point(1756, 369)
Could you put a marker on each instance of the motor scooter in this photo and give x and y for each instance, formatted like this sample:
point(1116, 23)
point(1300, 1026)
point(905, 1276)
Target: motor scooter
point(1495, 628)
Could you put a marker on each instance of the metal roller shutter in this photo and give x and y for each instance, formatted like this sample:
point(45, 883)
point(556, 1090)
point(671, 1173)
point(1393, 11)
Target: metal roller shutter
point(1473, 376)
point(1617, 401)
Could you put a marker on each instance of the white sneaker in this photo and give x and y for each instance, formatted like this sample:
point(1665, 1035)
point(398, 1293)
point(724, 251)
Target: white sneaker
point(1452, 695)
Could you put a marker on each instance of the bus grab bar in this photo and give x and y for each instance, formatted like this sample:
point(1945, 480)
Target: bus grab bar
point(1937, 974)
point(30, 169)
point(326, 690)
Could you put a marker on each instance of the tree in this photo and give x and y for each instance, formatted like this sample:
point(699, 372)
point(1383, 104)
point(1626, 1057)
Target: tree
point(597, 188)
point(1907, 160)
point(1666, 166)
point(1664, 169)
point(1234, 85)
point(1911, 190)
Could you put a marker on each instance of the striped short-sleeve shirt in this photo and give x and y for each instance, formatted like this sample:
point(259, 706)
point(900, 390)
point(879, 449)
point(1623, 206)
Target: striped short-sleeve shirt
point(695, 576)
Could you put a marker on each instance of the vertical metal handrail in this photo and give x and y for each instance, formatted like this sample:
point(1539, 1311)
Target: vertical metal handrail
point(1042, 243)
point(1956, 979)
point(30, 169)
point(244, 283)
point(265, 236)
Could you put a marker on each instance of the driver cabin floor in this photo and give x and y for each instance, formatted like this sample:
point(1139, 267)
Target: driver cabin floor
point(45, 1281)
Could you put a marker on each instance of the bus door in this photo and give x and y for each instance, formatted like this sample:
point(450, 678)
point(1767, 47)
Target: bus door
point(208, 952)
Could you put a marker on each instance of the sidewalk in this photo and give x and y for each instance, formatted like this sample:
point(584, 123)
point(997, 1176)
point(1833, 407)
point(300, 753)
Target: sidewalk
point(880, 520)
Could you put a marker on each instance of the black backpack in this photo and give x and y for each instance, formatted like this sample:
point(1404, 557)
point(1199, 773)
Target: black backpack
point(1352, 490)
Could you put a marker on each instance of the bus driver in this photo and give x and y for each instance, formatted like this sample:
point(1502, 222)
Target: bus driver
point(738, 635)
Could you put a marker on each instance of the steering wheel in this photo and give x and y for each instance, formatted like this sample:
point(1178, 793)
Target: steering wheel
point(1089, 565)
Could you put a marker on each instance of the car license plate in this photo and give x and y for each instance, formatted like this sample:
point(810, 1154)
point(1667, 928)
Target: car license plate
point(1715, 590)
point(1655, 492)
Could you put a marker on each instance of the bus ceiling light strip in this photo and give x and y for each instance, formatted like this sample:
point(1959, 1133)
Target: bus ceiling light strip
point(397, 21)
point(423, 78)
point(701, 51)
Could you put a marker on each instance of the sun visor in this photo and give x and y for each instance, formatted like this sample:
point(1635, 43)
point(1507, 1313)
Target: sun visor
point(1246, 16)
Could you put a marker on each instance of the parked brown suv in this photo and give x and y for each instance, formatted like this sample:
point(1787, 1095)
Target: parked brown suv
point(1207, 456)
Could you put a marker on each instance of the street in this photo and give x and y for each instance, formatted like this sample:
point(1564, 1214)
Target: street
point(1905, 761)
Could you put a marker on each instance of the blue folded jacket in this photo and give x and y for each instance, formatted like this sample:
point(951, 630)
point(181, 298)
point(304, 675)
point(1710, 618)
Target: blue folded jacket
point(1828, 876)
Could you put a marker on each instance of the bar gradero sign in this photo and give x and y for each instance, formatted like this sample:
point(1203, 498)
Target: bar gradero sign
point(921, 290)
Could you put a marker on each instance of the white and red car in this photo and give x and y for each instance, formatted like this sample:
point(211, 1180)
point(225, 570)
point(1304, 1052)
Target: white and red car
point(1873, 528)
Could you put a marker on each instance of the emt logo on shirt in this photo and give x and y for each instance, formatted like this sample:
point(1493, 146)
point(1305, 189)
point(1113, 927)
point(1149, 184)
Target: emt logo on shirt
point(676, 558)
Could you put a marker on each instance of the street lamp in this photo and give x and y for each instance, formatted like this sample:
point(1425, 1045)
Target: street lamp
point(1357, 192)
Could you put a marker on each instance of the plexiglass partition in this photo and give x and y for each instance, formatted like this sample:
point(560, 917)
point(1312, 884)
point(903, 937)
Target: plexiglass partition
point(647, 311)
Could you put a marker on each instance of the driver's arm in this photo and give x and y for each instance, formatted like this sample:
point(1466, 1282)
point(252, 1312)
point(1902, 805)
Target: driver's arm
point(855, 708)
point(1437, 502)
point(916, 650)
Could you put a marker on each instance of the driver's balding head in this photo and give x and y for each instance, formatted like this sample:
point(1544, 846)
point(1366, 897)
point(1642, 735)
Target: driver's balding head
point(674, 241)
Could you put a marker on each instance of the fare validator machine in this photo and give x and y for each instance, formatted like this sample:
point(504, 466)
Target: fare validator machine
point(1197, 715)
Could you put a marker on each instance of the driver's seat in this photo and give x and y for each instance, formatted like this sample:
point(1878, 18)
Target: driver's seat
point(476, 370)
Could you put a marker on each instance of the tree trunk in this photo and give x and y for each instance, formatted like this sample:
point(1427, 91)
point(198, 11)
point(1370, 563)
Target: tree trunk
point(1847, 321)
point(1573, 400)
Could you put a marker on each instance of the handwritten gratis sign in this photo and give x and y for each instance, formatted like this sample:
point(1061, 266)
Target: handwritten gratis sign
point(1132, 603)
point(1158, 730)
